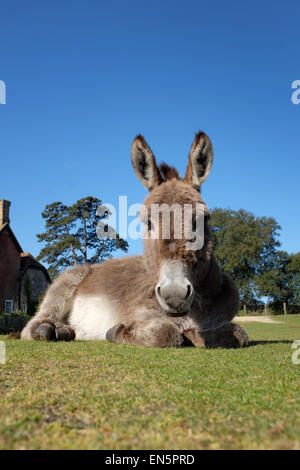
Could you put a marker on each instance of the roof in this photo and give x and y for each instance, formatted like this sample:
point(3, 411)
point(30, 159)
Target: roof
point(29, 261)
point(12, 235)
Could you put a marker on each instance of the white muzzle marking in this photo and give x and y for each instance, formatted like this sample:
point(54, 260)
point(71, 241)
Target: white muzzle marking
point(174, 291)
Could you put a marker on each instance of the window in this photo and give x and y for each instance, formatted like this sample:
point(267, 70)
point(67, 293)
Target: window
point(9, 306)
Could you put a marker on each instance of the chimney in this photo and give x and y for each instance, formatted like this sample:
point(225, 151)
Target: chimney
point(4, 211)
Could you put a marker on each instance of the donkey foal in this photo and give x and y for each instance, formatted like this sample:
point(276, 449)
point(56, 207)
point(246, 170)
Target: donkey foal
point(172, 295)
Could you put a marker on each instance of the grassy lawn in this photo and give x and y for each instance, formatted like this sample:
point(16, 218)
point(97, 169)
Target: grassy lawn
point(97, 395)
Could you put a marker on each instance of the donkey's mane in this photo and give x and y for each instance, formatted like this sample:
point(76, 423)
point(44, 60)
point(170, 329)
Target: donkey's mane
point(168, 172)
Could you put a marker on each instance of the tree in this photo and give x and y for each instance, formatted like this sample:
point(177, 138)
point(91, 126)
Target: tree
point(281, 282)
point(71, 238)
point(245, 246)
point(293, 270)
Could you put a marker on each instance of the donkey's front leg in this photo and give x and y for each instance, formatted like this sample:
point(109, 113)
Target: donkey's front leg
point(153, 332)
point(49, 331)
point(227, 336)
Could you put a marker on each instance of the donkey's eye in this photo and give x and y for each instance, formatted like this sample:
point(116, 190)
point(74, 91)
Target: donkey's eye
point(197, 223)
point(150, 225)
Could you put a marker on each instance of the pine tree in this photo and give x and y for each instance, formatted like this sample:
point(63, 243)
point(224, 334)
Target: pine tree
point(71, 237)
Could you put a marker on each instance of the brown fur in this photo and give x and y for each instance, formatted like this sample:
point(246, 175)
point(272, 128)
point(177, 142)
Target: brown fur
point(129, 283)
point(227, 336)
point(14, 335)
point(200, 160)
point(168, 172)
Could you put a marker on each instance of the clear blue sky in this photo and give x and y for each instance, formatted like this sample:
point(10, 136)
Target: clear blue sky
point(85, 76)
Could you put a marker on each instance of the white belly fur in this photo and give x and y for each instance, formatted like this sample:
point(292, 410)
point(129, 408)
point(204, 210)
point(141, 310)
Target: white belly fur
point(92, 316)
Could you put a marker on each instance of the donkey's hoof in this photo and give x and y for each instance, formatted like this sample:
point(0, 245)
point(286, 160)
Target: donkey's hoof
point(44, 332)
point(240, 335)
point(113, 333)
point(64, 333)
point(232, 336)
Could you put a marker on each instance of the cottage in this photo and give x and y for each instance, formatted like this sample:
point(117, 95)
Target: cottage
point(22, 278)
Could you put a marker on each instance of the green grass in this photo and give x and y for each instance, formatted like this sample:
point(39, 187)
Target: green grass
point(97, 395)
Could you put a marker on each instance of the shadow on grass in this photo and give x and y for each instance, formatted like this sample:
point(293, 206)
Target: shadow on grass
point(188, 344)
point(271, 341)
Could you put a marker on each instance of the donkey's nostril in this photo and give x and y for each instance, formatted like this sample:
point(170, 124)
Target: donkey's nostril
point(158, 290)
point(188, 291)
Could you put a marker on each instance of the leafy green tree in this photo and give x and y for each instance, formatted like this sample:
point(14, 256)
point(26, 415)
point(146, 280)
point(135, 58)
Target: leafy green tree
point(71, 238)
point(281, 282)
point(245, 246)
point(293, 270)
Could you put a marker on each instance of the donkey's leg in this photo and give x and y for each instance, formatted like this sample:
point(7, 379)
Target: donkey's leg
point(227, 336)
point(47, 323)
point(154, 332)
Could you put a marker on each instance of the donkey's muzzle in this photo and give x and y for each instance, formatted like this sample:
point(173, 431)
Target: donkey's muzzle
point(175, 297)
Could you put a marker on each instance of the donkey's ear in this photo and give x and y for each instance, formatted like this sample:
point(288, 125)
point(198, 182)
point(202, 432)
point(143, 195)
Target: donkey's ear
point(200, 160)
point(144, 163)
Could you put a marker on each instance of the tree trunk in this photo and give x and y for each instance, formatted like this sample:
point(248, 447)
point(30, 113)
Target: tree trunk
point(84, 240)
point(73, 254)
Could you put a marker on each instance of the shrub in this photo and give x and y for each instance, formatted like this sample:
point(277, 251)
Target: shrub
point(13, 322)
